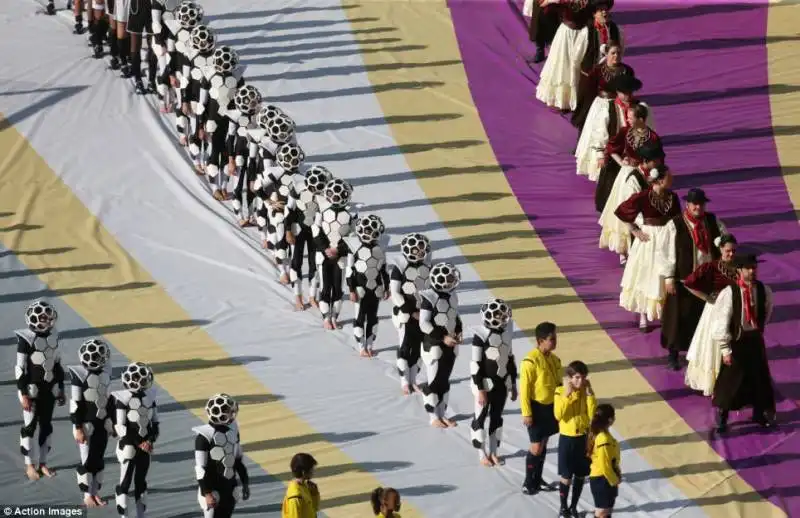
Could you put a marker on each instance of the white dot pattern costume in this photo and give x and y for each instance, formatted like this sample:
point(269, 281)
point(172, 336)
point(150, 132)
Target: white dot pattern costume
point(366, 276)
point(406, 281)
point(331, 225)
point(218, 461)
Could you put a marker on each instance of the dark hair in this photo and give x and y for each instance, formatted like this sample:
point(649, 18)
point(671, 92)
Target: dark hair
point(577, 367)
point(611, 44)
point(601, 420)
point(640, 111)
point(724, 239)
point(302, 464)
point(544, 330)
point(379, 497)
point(661, 169)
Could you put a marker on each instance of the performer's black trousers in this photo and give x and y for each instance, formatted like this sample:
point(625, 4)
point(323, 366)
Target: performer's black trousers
point(440, 384)
point(495, 404)
point(367, 315)
point(411, 342)
point(134, 471)
point(95, 458)
point(42, 412)
point(331, 290)
point(226, 503)
point(304, 241)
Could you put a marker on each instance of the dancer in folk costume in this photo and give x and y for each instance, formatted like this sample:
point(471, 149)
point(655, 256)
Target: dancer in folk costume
point(622, 152)
point(309, 196)
point(691, 237)
point(221, 86)
point(332, 224)
point(40, 385)
point(136, 425)
point(647, 212)
point(164, 49)
point(544, 22)
point(99, 26)
point(222, 477)
point(91, 411)
point(201, 51)
point(276, 188)
point(140, 22)
point(607, 116)
point(442, 330)
point(408, 277)
point(739, 319)
point(494, 378)
point(188, 16)
point(367, 279)
point(615, 235)
point(558, 82)
point(602, 35)
point(705, 283)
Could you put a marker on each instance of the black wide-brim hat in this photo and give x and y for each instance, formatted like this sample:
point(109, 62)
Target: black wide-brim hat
point(696, 196)
point(745, 260)
point(599, 4)
point(651, 151)
point(625, 83)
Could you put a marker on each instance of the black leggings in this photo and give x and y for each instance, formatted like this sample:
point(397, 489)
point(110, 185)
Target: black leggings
point(493, 410)
point(331, 292)
point(132, 471)
point(436, 391)
point(41, 415)
point(93, 462)
point(304, 242)
point(366, 312)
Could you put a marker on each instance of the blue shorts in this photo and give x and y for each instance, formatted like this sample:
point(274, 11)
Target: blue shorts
point(572, 459)
point(604, 494)
point(544, 422)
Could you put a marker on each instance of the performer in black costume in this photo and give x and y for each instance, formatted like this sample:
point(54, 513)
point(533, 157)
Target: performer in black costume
point(408, 277)
point(136, 426)
point(494, 377)
point(201, 50)
point(91, 411)
point(218, 460)
point(309, 193)
point(163, 44)
point(441, 326)
point(332, 224)
point(367, 280)
point(188, 16)
point(40, 385)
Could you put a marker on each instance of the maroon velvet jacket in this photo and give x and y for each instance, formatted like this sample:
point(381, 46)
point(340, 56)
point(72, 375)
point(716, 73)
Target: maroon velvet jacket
point(711, 277)
point(575, 14)
point(601, 75)
point(640, 203)
point(627, 142)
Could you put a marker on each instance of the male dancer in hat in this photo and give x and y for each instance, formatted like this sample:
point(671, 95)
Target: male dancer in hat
point(742, 312)
point(691, 238)
point(543, 27)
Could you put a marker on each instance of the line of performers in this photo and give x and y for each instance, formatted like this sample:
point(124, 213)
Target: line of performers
point(680, 264)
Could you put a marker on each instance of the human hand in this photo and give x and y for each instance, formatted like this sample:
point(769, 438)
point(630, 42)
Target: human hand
point(641, 236)
point(527, 420)
point(513, 393)
point(415, 315)
point(331, 253)
point(80, 437)
point(669, 285)
point(386, 295)
point(353, 296)
point(186, 109)
point(61, 400)
point(173, 82)
point(482, 397)
point(601, 163)
point(27, 404)
point(727, 360)
point(211, 502)
point(245, 492)
point(449, 341)
point(289, 237)
point(146, 446)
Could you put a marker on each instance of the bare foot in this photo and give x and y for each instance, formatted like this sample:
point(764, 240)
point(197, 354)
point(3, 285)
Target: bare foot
point(313, 302)
point(406, 390)
point(497, 460)
point(218, 195)
point(89, 501)
point(449, 422)
point(264, 244)
point(47, 472)
point(370, 353)
point(164, 108)
point(486, 461)
point(100, 502)
point(31, 472)
point(327, 325)
point(363, 353)
point(299, 305)
point(336, 324)
point(183, 141)
point(198, 170)
point(416, 387)
point(244, 223)
point(438, 424)
point(284, 279)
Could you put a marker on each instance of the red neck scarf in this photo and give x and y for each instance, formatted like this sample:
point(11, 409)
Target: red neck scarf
point(747, 303)
point(602, 32)
point(623, 106)
point(699, 231)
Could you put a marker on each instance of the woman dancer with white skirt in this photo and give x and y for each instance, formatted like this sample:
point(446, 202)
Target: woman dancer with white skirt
point(647, 213)
point(558, 82)
point(705, 283)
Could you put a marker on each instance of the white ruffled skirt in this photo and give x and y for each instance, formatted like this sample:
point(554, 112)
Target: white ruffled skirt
point(593, 139)
point(704, 356)
point(558, 82)
point(614, 233)
point(642, 283)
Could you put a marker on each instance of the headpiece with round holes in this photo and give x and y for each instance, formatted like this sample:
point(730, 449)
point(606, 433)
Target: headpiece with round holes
point(415, 247)
point(280, 128)
point(225, 60)
point(221, 409)
point(316, 178)
point(445, 277)
point(289, 156)
point(94, 354)
point(338, 192)
point(247, 99)
point(202, 38)
point(41, 316)
point(189, 15)
point(266, 114)
point(369, 229)
point(495, 314)
point(137, 377)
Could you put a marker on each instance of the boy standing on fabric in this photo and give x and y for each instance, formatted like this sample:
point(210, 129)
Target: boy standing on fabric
point(541, 373)
point(573, 407)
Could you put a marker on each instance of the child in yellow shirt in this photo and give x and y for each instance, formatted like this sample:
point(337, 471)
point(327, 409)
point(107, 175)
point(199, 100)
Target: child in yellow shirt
point(574, 407)
point(540, 374)
point(302, 495)
point(605, 475)
point(385, 502)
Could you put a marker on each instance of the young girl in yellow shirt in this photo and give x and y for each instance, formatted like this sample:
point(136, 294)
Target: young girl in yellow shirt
point(605, 476)
point(385, 502)
point(302, 495)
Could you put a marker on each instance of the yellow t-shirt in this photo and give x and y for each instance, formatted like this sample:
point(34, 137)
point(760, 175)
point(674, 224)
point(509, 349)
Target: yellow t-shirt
point(574, 412)
point(540, 374)
point(606, 458)
point(300, 501)
point(395, 515)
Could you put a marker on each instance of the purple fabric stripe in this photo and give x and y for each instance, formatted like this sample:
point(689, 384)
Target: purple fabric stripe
point(705, 73)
